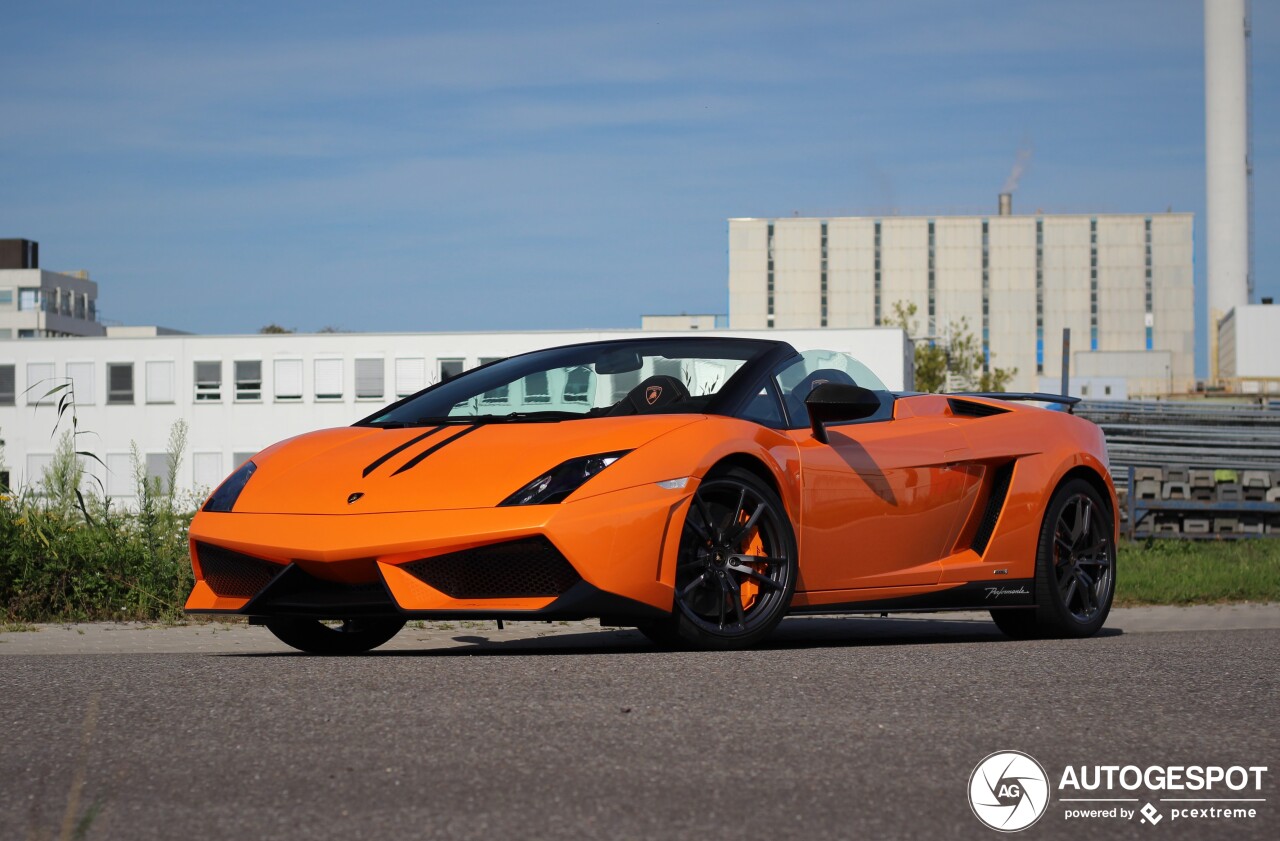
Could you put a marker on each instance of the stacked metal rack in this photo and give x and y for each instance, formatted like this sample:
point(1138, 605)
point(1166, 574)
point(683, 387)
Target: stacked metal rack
point(1193, 470)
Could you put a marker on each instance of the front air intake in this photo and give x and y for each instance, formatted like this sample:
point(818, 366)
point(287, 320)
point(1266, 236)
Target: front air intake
point(528, 568)
point(234, 575)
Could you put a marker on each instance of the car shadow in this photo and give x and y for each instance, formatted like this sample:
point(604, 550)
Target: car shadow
point(794, 633)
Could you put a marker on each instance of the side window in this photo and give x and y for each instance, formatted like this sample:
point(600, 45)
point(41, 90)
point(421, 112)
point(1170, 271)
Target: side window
point(764, 408)
point(816, 367)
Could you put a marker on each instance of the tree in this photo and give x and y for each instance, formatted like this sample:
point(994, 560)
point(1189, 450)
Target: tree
point(274, 329)
point(951, 362)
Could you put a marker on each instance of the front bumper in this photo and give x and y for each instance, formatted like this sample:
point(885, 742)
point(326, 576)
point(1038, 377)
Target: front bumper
point(612, 545)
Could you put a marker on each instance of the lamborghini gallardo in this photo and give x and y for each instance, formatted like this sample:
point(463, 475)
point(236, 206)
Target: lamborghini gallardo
point(698, 489)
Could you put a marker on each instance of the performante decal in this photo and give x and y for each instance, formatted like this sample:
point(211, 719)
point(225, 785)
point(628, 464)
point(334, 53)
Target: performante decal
point(406, 445)
point(416, 460)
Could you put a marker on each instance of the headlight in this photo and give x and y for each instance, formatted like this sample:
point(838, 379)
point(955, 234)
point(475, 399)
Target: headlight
point(556, 484)
point(224, 498)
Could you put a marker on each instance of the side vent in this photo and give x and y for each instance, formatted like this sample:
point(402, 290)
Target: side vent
point(995, 504)
point(968, 408)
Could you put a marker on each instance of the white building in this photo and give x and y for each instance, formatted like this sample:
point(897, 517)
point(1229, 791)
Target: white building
point(238, 394)
point(1121, 282)
point(36, 303)
point(1249, 348)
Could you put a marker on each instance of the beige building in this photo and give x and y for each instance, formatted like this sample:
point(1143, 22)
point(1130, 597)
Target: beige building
point(35, 303)
point(1121, 282)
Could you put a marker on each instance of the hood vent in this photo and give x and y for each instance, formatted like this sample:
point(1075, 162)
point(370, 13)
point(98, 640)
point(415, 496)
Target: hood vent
point(971, 409)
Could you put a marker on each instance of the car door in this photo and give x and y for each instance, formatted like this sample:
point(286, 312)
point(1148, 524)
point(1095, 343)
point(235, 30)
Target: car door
point(882, 498)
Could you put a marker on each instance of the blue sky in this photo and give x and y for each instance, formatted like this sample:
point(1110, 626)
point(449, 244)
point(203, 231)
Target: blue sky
point(426, 166)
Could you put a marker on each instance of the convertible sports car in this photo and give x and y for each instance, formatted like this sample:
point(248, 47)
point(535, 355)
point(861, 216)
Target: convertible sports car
point(699, 489)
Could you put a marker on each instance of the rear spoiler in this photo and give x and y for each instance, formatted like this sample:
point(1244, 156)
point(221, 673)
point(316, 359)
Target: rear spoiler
point(1038, 396)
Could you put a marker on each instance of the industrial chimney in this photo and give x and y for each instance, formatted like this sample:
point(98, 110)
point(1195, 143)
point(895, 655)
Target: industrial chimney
point(1227, 166)
point(1006, 204)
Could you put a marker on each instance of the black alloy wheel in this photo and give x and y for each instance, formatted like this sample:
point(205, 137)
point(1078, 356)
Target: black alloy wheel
point(344, 636)
point(736, 568)
point(1075, 568)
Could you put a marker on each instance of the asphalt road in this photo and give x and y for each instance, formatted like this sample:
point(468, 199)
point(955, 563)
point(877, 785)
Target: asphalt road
point(841, 728)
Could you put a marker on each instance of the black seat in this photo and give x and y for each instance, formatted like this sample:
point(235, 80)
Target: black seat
point(652, 395)
point(796, 398)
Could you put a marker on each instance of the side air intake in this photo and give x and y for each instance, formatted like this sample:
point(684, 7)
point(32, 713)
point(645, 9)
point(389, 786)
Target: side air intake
point(234, 575)
point(518, 569)
point(995, 504)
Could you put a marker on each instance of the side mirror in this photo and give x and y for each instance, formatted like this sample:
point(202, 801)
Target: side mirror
point(833, 402)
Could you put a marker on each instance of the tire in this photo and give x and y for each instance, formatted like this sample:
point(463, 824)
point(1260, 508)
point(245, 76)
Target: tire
point(736, 567)
point(1075, 578)
point(353, 636)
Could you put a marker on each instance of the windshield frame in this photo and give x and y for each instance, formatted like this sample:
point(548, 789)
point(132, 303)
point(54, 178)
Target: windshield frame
point(726, 401)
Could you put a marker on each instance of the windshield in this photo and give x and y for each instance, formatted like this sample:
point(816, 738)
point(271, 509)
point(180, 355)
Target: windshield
point(610, 378)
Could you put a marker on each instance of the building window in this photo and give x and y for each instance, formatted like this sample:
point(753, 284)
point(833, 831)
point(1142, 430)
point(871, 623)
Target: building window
point(328, 379)
point(933, 281)
point(248, 380)
point(81, 376)
point(5, 487)
point(160, 382)
point(119, 383)
point(986, 295)
point(577, 386)
point(411, 376)
point(877, 274)
point(498, 396)
point(207, 469)
point(823, 279)
point(370, 379)
point(450, 368)
point(80, 307)
point(120, 482)
point(37, 467)
point(1150, 293)
point(769, 278)
point(240, 458)
point(6, 297)
point(39, 382)
point(28, 299)
point(64, 299)
point(8, 384)
point(536, 388)
point(208, 381)
point(1093, 284)
point(1039, 296)
point(158, 473)
point(288, 380)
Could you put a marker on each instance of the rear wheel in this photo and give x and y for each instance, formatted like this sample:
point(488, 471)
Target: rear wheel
point(1075, 569)
point(346, 636)
point(736, 568)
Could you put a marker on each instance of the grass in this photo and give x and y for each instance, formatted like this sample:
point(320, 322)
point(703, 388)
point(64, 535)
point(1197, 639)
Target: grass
point(1181, 572)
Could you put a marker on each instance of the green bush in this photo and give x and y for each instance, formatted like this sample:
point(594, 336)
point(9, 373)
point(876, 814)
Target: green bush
point(69, 555)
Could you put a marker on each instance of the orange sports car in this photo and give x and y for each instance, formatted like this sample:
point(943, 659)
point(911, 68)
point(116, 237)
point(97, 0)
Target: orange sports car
point(699, 489)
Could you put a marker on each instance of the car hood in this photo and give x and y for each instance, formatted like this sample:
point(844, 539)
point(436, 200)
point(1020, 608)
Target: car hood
point(416, 469)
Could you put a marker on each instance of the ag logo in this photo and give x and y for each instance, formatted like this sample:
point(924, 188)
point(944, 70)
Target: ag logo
point(652, 393)
point(1008, 791)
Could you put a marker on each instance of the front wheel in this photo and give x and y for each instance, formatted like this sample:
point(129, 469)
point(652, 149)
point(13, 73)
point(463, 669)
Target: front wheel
point(347, 636)
point(736, 568)
point(1075, 569)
